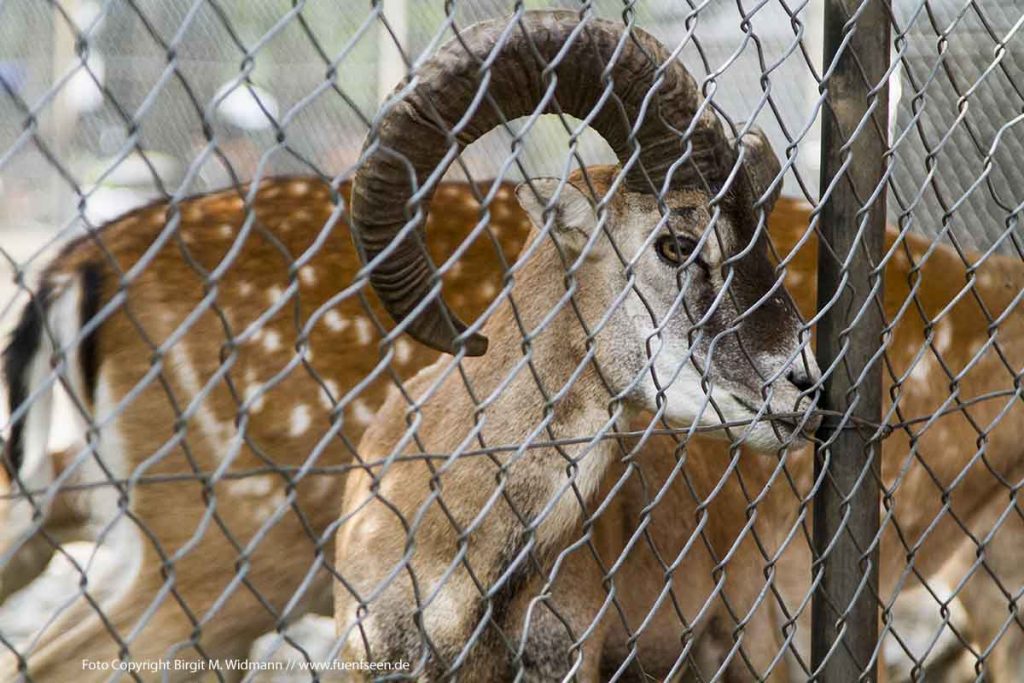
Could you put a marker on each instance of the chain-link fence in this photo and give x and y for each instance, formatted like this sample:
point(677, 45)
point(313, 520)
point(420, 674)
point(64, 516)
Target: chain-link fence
point(305, 382)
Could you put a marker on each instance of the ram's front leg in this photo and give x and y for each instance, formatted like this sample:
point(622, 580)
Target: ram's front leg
point(439, 568)
point(396, 586)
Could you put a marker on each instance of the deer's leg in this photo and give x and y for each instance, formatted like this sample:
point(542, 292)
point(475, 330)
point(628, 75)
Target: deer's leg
point(65, 521)
point(83, 644)
point(209, 591)
point(208, 614)
point(213, 566)
point(25, 564)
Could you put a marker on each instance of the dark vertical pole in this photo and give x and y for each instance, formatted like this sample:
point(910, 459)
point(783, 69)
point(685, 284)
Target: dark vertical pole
point(852, 227)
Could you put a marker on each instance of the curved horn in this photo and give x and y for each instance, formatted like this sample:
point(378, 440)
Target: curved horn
point(762, 167)
point(412, 138)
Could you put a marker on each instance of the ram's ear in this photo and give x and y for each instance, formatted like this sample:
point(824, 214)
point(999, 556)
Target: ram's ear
point(571, 211)
point(762, 167)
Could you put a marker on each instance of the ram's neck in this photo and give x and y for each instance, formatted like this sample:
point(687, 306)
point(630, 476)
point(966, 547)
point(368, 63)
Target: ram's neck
point(543, 355)
point(537, 405)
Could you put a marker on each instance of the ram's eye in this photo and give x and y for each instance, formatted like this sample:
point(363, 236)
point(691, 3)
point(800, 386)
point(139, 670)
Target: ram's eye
point(674, 249)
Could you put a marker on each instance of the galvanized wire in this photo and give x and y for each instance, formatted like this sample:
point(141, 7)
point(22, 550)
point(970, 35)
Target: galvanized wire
point(244, 416)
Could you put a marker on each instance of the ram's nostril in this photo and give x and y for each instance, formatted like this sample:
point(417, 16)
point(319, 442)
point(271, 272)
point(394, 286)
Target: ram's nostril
point(804, 381)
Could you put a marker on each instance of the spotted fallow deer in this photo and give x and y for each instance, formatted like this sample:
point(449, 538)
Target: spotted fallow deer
point(226, 333)
point(637, 294)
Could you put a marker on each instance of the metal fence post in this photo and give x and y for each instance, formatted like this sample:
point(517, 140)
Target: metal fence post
point(852, 228)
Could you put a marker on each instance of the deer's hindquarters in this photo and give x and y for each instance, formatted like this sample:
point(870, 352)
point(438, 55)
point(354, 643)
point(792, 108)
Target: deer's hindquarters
point(48, 352)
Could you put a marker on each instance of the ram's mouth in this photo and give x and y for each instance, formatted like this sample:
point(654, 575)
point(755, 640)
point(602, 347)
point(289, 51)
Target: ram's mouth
point(754, 410)
point(791, 424)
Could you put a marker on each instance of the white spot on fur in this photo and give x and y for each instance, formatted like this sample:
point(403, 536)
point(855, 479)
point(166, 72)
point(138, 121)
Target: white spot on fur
point(361, 412)
point(273, 504)
point(271, 340)
point(323, 487)
point(253, 390)
point(364, 331)
point(245, 288)
point(403, 351)
point(334, 321)
point(944, 338)
point(299, 188)
point(274, 294)
point(307, 275)
point(326, 396)
point(300, 420)
point(255, 487)
point(216, 432)
point(488, 290)
point(919, 375)
point(225, 230)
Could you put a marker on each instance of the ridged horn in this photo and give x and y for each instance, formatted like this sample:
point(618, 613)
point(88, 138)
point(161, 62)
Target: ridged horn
point(411, 139)
point(762, 167)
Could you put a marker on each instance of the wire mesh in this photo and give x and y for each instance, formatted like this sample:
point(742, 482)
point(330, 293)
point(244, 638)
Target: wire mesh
point(225, 460)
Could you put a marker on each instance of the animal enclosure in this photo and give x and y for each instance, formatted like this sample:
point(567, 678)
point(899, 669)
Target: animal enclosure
point(500, 340)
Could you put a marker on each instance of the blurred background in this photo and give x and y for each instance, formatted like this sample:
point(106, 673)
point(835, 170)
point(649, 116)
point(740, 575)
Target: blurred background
point(109, 104)
point(106, 104)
